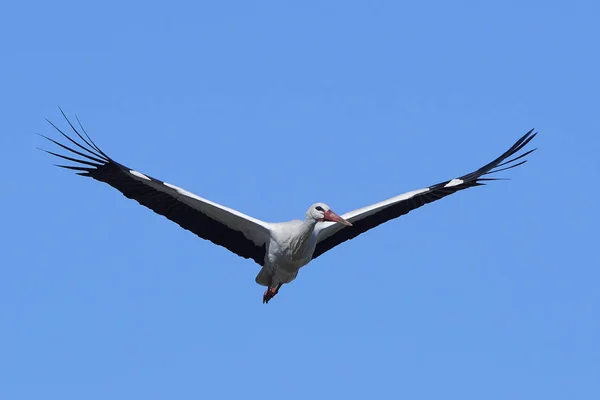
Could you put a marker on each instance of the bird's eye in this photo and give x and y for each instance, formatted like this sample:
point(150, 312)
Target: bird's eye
point(319, 208)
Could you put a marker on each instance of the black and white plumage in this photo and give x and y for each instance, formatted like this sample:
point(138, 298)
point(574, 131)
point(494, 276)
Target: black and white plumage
point(281, 249)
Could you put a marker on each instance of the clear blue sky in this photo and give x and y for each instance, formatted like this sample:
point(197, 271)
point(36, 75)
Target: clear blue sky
point(267, 107)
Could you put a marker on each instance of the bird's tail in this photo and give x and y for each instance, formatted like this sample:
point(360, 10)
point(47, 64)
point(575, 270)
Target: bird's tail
point(264, 277)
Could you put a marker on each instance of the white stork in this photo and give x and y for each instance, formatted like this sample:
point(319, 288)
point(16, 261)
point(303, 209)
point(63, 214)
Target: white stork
point(281, 248)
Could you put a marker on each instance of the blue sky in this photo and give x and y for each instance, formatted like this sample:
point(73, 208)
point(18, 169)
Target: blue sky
point(267, 107)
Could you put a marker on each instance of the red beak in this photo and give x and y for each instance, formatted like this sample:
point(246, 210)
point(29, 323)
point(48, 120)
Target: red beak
point(333, 217)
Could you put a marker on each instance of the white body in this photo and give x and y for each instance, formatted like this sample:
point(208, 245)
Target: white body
point(290, 247)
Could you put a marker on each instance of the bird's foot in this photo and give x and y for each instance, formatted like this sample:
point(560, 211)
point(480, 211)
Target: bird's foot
point(270, 293)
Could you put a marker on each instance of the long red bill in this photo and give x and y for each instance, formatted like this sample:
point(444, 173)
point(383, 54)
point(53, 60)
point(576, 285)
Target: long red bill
point(333, 217)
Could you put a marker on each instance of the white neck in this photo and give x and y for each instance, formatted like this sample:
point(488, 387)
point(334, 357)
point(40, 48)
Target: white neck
point(300, 241)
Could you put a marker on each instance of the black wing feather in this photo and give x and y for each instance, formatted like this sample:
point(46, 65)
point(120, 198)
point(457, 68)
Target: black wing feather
point(104, 169)
point(435, 192)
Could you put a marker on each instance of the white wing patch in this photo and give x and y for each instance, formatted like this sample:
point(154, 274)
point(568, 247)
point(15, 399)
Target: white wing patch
point(366, 211)
point(373, 208)
point(139, 175)
point(326, 229)
point(217, 207)
point(454, 182)
point(184, 192)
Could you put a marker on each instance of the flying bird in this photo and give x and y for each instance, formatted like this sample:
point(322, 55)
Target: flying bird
point(280, 248)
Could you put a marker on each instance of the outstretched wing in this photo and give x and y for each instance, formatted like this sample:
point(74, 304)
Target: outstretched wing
point(363, 219)
point(239, 233)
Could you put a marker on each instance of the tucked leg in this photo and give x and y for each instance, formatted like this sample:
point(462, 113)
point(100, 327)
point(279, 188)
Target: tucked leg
point(271, 292)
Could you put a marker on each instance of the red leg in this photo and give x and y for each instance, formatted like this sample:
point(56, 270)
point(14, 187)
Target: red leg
point(271, 292)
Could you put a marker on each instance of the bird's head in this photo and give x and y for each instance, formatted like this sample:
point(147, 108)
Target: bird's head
point(322, 212)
